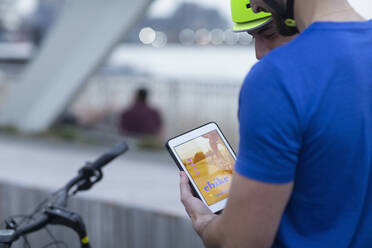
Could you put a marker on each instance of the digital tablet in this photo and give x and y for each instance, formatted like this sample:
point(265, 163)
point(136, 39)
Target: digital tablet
point(208, 160)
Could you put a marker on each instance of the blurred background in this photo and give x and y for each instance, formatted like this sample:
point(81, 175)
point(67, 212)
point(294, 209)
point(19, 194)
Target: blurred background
point(73, 75)
point(183, 52)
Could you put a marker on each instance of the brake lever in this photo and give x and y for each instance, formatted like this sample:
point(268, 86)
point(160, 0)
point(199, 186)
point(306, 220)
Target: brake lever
point(90, 177)
point(10, 223)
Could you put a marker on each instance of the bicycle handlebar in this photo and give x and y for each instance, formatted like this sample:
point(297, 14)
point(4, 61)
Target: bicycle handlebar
point(34, 226)
point(88, 171)
point(109, 156)
point(82, 180)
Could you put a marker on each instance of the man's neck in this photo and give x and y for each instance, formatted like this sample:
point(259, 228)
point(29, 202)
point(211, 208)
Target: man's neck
point(308, 12)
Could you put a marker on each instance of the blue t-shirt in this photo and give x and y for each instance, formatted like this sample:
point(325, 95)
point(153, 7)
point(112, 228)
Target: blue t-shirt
point(305, 114)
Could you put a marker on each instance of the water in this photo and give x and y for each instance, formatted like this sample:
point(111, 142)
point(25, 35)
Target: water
point(172, 61)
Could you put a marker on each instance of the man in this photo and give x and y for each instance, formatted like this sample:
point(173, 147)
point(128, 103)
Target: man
point(259, 25)
point(141, 119)
point(303, 175)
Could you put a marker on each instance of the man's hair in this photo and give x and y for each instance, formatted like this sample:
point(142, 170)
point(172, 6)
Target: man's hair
point(141, 94)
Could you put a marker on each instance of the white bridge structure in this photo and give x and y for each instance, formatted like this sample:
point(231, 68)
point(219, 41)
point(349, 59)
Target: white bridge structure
point(82, 38)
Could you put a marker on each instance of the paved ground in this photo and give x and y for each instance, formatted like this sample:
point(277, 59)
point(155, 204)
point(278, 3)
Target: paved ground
point(142, 179)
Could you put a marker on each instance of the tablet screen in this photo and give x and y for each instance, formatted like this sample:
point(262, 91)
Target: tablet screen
point(210, 164)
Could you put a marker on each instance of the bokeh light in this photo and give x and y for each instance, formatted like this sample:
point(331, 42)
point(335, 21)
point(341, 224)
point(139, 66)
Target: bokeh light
point(160, 40)
point(231, 38)
point(147, 35)
point(217, 36)
point(187, 37)
point(202, 36)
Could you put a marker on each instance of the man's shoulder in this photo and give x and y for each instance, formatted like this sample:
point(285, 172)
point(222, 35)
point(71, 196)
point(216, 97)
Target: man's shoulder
point(269, 70)
point(291, 61)
point(322, 40)
point(283, 71)
point(299, 49)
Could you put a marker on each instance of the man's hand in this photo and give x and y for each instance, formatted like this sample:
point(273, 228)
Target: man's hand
point(251, 217)
point(199, 213)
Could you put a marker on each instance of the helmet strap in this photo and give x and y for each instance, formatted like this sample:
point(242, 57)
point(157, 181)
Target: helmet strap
point(288, 26)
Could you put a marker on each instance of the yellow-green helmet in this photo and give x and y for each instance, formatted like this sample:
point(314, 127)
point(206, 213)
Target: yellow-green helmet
point(244, 17)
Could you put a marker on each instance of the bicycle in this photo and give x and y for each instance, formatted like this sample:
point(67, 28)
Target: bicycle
point(54, 210)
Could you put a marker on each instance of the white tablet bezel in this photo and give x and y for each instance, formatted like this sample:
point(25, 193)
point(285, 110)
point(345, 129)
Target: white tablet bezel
point(183, 138)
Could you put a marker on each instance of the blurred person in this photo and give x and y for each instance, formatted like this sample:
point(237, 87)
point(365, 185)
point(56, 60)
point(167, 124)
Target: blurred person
point(303, 172)
point(140, 119)
point(259, 25)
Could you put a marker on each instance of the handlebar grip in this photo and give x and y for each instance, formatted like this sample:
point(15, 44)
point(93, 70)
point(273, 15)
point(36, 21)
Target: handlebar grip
point(110, 155)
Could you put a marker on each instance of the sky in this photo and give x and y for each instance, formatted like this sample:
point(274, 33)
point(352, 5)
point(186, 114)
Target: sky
point(25, 6)
point(165, 7)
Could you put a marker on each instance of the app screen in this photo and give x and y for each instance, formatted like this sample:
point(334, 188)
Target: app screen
point(210, 164)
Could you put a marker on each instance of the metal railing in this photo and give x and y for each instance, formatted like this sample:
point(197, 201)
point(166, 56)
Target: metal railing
point(184, 104)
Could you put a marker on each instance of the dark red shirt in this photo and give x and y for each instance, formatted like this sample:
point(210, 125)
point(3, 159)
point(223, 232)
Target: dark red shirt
point(140, 119)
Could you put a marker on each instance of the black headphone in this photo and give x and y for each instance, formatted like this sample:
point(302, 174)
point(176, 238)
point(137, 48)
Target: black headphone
point(286, 15)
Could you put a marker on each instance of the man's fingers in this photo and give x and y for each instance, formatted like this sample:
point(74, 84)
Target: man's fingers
point(185, 188)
